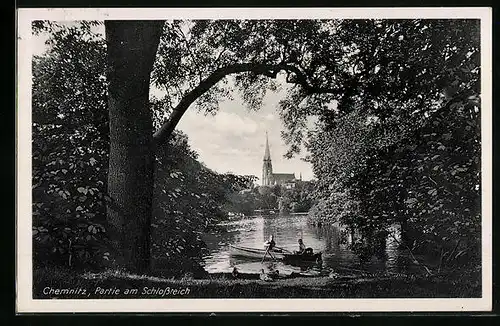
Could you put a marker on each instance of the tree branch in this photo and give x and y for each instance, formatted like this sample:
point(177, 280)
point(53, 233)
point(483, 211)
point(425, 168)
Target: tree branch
point(270, 70)
point(219, 57)
point(191, 53)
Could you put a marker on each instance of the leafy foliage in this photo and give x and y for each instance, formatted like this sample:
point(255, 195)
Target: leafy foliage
point(69, 149)
point(298, 199)
point(185, 205)
point(412, 156)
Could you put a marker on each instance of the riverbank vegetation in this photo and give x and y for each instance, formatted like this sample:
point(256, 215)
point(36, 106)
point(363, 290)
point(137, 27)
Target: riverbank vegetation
point(411, 157)
point(397, 139)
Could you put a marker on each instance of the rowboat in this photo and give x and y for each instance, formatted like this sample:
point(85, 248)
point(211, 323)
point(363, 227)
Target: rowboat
point(278, 253)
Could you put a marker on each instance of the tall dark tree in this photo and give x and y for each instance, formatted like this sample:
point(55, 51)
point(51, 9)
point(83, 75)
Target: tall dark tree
point(131, 50)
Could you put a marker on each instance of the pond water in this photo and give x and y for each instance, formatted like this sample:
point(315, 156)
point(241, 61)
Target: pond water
point(287, 229)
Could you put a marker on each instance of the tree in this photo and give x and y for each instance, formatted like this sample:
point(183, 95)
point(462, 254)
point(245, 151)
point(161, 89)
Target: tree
point(131, 49)
point(410, 157)
point(298, 199)
point(187, 201)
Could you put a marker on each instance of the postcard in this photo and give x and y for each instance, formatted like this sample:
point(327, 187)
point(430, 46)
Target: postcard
point(254, 160)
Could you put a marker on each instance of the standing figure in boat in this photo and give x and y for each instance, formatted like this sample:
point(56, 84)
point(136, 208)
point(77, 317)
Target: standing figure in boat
point(269, 245)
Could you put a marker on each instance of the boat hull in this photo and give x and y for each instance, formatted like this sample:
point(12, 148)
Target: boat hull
point(303, 258)
point(277, 253)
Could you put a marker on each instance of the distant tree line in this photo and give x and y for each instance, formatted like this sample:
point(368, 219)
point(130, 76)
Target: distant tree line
point(297, 199)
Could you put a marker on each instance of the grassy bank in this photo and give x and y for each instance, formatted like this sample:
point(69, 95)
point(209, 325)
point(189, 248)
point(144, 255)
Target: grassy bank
point(50, 283)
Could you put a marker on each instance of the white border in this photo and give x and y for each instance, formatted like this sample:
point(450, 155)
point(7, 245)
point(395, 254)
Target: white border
point(25, 303)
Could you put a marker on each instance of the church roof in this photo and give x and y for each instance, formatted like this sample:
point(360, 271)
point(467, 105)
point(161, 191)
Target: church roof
point(284, 176)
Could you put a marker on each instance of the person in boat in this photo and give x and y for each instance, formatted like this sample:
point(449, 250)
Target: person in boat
point(270, 245)
point(302, 247)
point(303, 250)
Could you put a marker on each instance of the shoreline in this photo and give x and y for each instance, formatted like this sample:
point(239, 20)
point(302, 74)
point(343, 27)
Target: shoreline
point(114, 285)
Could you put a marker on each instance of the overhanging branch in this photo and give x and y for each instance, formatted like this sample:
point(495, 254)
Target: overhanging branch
point(270, 70)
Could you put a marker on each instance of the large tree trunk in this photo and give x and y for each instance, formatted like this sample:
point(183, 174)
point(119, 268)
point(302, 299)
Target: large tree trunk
point(131, 49)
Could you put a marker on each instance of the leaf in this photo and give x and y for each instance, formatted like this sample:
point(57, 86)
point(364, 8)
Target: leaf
point(432, 192)
point(411, 201)
point(82, 190)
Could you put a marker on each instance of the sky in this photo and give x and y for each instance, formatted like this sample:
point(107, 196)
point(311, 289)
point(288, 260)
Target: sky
point(233, 140)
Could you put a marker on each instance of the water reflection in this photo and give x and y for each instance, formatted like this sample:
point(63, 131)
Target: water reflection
point(333, 241)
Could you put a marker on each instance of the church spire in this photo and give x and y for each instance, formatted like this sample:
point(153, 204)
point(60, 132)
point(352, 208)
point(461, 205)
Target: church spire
point(267, 167)
point(267, 154)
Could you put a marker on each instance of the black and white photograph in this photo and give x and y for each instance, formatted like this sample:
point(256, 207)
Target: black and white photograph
point(341, 157)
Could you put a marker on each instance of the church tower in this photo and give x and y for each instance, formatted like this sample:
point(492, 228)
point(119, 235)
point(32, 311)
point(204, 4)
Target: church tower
point(267, 167)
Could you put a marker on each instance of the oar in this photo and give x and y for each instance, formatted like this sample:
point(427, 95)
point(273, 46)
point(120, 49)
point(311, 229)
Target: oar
point(284, 249)
point(267, 250)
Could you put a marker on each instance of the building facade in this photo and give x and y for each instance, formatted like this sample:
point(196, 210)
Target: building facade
point(269, 178)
